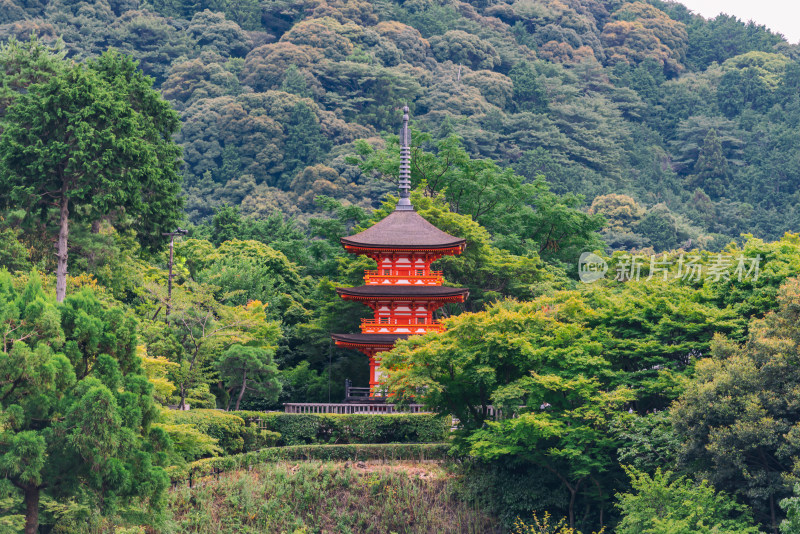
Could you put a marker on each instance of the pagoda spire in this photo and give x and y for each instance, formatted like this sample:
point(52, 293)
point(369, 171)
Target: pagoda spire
point(404, 204)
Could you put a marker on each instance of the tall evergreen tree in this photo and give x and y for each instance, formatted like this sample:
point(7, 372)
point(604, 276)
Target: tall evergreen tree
point(528, 92)
point(711, 170)
point(75, 402)
point(93, 142)
point(305, 143)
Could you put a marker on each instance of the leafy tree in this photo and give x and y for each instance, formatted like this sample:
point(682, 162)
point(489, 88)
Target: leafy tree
point(738, 416)
point(207, 76)
point(660, 227)
point(648, 442)
point(463, 48)
point(198, 330)
point(77, 407)
point(25, 63)
point(791, 505)
point(525, 218)
point(212, 30)
point(665, 504)
point(249, 368)
point(739, 89)
point(93, 143)
point(294, 82)
point(723, 37)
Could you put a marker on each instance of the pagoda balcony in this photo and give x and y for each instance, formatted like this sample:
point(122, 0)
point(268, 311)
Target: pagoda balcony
point(434, 278)
point(373, 326)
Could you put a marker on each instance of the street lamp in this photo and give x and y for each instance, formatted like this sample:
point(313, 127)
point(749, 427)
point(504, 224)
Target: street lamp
point(178, 232)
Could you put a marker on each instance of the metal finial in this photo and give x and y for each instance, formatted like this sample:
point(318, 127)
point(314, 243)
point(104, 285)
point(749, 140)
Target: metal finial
point(404, 204)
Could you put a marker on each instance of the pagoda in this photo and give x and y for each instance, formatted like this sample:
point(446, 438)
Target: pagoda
point(403, 292)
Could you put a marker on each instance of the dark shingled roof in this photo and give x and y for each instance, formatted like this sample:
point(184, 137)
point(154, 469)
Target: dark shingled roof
point(405, 290)
point(403, 229)
point(369, 339)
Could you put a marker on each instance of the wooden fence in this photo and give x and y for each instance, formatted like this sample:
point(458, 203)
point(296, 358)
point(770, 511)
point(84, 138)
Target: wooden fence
point(345, 408)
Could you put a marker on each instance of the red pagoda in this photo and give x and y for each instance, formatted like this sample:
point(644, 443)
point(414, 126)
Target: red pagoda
point(403, 292)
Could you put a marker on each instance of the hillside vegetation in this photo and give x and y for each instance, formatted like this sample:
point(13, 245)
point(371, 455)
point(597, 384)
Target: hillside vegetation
point(695, 119)
point(327, 498)
point(542, 129)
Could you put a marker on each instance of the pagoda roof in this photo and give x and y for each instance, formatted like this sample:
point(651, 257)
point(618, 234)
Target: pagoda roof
point(402, 290)
point(403, 229)
point(368, 339)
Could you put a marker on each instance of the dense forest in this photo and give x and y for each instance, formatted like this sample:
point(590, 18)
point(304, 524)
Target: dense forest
point(266, 130)
point(694, 119)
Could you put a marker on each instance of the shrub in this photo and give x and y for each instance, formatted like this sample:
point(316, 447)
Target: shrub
point(231, 431)
point(298, 429)
point(359, 452)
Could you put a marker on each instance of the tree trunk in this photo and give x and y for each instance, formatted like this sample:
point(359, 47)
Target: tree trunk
point(182, 404)
point(572, 495)
point(772, 514)
point(63, 234)
point(244, 386)
point(31, 510)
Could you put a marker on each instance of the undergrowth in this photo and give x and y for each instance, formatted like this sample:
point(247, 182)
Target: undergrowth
point(326, 498)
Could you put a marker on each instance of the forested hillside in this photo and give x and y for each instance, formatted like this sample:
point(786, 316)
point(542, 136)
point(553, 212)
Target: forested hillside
point(541, 130)
point(694, 119)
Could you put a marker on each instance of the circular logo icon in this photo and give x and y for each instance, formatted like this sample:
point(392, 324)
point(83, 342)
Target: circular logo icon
point(591, 267)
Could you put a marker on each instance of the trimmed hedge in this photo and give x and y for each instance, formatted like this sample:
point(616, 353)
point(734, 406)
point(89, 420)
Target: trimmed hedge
point(233, 433)
point(385, 451)
point(299, 429)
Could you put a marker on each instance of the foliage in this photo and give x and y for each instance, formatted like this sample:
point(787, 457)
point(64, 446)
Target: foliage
point(230, 431)
point(93, 142)
point(544, 526)
point(297, 429)
point(321, 496)
point(240, 361)
point(198, 331)
point(791, 505)
point(354, 453)
point(667, 504)
point(76, 407)
point(525, 218)
point(737, 416)
point(648, 441)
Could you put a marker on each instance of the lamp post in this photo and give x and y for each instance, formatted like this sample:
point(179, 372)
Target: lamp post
point(178, 231)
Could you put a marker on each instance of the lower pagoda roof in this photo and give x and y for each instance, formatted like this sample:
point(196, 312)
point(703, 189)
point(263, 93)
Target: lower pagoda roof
point(368, 339)
point(397, 291)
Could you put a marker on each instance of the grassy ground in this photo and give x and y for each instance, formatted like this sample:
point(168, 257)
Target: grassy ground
point(326, 498)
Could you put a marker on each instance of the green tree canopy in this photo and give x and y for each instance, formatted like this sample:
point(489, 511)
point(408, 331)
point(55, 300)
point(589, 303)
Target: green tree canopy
point(76, 404)
point(93, 143)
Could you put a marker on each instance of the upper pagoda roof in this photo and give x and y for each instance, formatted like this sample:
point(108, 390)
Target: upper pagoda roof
point(403, 229)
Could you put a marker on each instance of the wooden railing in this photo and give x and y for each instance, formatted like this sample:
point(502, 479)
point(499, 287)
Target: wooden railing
point(374, 326)
point(433, 278)
point(341, 408)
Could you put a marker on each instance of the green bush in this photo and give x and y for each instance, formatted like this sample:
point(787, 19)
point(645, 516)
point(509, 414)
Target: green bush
point(298, 429)
point(360, 452)
point(234, 435)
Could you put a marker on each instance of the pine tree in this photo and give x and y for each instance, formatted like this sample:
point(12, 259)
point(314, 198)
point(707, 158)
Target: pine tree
point(295, 83)
point(305, 142)
point(76, 404)
point(528, 92)
point(711, 170)
point(93, 142)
